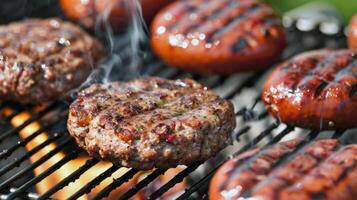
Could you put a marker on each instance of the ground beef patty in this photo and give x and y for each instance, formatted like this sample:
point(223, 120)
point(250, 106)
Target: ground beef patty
point(151, 122)
point(316, 90)
point(41, 60)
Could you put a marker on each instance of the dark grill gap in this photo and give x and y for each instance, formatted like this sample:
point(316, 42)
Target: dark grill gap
point(269, 134)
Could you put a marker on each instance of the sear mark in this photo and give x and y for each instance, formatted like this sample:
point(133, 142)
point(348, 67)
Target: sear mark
point(240, 44)
point(353, 90)
point(320, 88)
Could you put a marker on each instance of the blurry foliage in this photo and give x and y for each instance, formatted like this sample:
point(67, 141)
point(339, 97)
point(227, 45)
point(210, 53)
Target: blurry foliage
point(345, 7)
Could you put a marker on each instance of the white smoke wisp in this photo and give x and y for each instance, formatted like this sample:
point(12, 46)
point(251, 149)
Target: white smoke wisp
point(124, 54)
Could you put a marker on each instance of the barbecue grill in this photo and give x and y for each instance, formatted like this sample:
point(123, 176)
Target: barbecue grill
point(255, 127)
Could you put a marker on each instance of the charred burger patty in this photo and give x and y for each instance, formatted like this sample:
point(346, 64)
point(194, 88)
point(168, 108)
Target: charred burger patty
point(151, 122)
point(41, 60)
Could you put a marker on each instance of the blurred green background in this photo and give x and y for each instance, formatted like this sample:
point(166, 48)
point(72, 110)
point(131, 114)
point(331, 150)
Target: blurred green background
point(345, 7)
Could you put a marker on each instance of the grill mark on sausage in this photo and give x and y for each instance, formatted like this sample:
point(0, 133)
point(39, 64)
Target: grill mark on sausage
point(218, 14)
point(339, 159)
point(240, 44)
point(325, 64)
point(296, 165)
point(282, 149)
point(198, 10)
point(353, 90)
point(320, 88)
point(233, 22)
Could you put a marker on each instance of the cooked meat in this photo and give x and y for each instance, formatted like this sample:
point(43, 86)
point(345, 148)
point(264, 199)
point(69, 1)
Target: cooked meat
point(41, 60)
point(316, 90)
point(218, 36)
point(352, 33)
point(323, 169)
point(151, 122)
point(116, 11)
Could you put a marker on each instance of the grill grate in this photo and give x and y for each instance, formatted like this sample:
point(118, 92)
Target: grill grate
point(251, 119)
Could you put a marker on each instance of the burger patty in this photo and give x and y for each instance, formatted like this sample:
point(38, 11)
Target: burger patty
point(42, 59)
point(218, 36)
point(151, 122)
point(316, 90)
point(323, 169)
point(352, 33)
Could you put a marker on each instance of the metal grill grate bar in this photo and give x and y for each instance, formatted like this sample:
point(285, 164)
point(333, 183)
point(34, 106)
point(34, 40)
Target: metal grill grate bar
point(87, 188)
point(33, 118)
point(46, 173)
point(16, 162)
point(5, 153)
point(116, 182)
point(35, 164)
point(72, 177)
point(142, 184)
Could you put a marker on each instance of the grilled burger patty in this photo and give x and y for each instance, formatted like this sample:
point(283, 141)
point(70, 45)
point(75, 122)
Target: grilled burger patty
point(151, 122)
point(41, 60)
point(316, 90)
point(323, 169)
point(218, 36)
point(352, 33)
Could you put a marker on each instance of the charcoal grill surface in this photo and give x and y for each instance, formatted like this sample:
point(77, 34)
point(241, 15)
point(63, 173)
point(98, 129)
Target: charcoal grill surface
point(254, 127)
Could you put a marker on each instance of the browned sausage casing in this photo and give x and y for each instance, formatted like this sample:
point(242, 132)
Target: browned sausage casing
point(86, 12)
point(352, 33)
point(315, 90)
point(218, 36)
point(322, 169)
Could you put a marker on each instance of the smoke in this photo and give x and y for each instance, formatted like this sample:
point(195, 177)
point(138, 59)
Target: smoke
point(125, 50)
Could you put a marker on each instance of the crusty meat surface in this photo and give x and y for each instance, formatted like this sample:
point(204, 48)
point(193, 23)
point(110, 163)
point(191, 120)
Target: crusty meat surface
point(316, 90)
point(322, 169)
point(151, 122)
point(42, 59)
point(218, 36)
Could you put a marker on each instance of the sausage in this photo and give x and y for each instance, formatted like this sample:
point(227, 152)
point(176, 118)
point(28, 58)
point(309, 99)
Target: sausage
point(243, 172)
point(315, 90)
point(322, 169)
point(87, 12)
point(352, 33)
point(218, 37)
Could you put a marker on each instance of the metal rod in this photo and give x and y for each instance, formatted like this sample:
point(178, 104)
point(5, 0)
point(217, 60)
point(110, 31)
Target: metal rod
point(17, 162)
point(35, 164)
point(93, 183)
point(71, 178)
point(116, 183)
point(44, 174)
point(138, 186)
point(175, 180)
point(33, 118)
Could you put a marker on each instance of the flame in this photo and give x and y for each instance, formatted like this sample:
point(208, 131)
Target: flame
point(66, 169)
point(74, 164)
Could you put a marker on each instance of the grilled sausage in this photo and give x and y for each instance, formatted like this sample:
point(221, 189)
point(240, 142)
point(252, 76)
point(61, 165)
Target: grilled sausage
point(42, 59)
point(323, 169)
point(116, 11)
point(352, 33)
point(218, 36)
point(315, 90)
point(151, 122)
